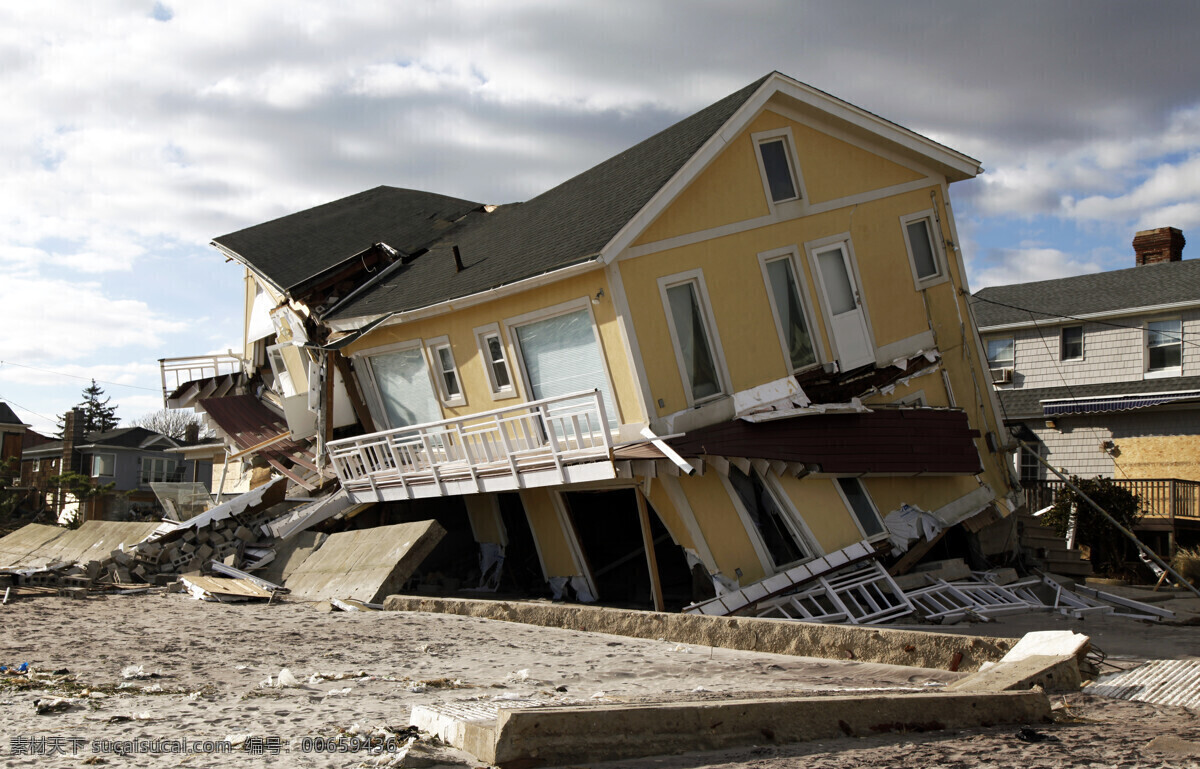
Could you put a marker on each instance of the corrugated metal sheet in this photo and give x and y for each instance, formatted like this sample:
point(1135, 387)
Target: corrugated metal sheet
point(1159, 682)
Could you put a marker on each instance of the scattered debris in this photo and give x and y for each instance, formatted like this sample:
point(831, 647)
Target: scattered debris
point(222, 590)
point(55, 705)
point(1159, 682)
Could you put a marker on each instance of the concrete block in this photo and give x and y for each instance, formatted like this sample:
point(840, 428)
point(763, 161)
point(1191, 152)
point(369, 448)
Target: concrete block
point(949, 570)
point(121, 557)
point(204, 551)
point(245, 535)
point(912, 581)
point(187, 548)
point(1004, 576)
point(551, 736)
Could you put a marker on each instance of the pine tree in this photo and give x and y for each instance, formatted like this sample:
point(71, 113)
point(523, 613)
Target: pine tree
point(98, 416)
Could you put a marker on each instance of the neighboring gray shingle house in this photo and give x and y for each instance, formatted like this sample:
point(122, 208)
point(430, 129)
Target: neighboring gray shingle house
point(1102, 371)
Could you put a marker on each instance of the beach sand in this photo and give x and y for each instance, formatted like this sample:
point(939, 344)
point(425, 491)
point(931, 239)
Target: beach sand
point(204, 669)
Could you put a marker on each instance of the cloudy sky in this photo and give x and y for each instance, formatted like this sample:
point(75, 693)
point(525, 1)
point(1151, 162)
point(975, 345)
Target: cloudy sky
point(135, 131)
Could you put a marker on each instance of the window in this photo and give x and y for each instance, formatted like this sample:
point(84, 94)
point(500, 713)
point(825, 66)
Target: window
point(791, 320)
point(401, 381)
point(862, 507)
point(157, 470)
point(1071, 344)
point(1164, 346)
point(776, 163)
point(1030, 467)
point(447, 372)
point(102, 465)
point(690, 328)
point(923, 255)
point(1001, 355)
point(783, 542)
point(495, 360)
point(283, 379)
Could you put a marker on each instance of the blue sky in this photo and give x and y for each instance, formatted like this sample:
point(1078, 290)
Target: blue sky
point(137, 131)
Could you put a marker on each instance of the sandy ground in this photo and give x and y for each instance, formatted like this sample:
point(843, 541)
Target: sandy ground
point(204, 667)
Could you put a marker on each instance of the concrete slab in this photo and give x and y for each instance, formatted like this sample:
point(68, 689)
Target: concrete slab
point(557, 735)
point(38, 545)
point(1049, 659)
point(289, 554)
point(943, 651)
point(367, 564)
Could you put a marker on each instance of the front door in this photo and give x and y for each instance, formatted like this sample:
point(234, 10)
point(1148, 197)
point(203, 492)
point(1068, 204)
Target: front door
point(847, 322)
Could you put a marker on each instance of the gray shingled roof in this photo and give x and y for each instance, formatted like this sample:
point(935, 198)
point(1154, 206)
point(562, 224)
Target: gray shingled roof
point(1026, 403)
point(1143, 286)
point(293, 248)
point(8, 416)
point(565, 225)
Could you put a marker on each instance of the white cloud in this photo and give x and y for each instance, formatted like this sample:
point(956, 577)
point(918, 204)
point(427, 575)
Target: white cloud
point(1024, 265)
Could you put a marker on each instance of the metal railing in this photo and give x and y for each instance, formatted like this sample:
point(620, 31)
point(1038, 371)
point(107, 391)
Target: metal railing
point(547, 434)
point(180, 371)
point(1160, 497)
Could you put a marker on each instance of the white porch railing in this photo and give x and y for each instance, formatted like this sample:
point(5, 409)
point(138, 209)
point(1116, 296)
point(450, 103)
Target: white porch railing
point(179, 371)
point(468, 454)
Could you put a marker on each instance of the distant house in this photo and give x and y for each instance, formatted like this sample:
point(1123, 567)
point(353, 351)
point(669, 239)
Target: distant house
point(1101, 374)
point(12, 433)
point(130, 457)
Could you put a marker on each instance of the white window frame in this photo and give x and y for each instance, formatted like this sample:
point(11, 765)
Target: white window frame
point(939, 257)
point(482, 334)
point(371, 388)
point(789, 145)
point(792, 519)
point(112, 465)
point(432, 347)
point(792, 254)
point(916, 398)
point(883, 534)
point(283, 378)
point(695, 277)
point(1061, 343)
point(812, 250)
point(1011, 364)
point(573, 305)
point(1172, 371)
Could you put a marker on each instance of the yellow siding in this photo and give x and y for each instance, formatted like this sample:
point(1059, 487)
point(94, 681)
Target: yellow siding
point(738, 293)
point(731, 190)
point(722, 527)
point(459, 326)
point(931, 385)
point(928, 493)
point(670, 516)
point(546, 526)
point(819, 504)
point(485, 518)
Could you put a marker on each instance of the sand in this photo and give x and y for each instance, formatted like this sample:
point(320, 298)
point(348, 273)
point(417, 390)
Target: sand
point(204, 668)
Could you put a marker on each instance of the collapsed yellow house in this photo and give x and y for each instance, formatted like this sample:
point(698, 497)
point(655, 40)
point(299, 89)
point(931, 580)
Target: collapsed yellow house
point(732, 348)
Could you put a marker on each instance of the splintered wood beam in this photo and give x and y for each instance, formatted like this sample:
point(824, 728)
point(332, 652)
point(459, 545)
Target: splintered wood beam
point(356, 400)
point(915, 554)
point(288, 473)
point(648, 542)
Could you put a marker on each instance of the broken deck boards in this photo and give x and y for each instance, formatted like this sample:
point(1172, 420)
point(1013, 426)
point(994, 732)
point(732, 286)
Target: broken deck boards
point(367, 565)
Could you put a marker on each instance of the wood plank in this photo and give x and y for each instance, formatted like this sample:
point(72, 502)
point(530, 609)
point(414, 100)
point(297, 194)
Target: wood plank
point(648, 542)
point(915, 554)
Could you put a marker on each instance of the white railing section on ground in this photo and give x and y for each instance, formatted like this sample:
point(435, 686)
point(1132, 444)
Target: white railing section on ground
point(547, 434)
point(179, 371)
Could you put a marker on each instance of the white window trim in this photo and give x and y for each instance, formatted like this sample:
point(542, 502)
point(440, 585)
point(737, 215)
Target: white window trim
point(1082, 345)
point(989, 361)
point(789, 144)
point(573, 305)
point(850, 508)
point(915, 398)
point(1161, 373)
point(281, 377)
point(714, 339)
point(792, 519)
point(811, 249)
point(439, 375)
point(512, 389)
point(792, 253)
point(935, 242)
point(371, 389)
point(112, 461)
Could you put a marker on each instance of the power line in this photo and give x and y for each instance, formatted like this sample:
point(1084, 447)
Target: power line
point(1051, 317)
point(31, 411)
point(76, 376)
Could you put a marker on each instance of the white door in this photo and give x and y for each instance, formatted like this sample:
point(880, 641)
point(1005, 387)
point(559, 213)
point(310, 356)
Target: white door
point(847, 322)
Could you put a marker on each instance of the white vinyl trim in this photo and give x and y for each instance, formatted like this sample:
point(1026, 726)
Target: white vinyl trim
point(807, 298)
point(941, 273)
point(696, 278)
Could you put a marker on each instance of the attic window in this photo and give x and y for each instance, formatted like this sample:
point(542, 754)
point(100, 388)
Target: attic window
point(776, 159)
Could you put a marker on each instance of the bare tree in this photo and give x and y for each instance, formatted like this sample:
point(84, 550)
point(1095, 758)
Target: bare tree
point(170, 422)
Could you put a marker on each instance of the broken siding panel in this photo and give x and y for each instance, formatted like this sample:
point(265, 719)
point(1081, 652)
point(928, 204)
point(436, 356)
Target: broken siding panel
point(665, 508)
point(484, 513)
point(823, 511)
point(722, 527)
point(927, 493)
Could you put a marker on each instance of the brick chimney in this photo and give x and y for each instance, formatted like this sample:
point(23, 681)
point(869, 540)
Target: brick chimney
point(1164, 244)
point(72, 437)
point(191, 433)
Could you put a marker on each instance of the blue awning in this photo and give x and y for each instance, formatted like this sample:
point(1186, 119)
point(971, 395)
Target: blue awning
point(1113, 402)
